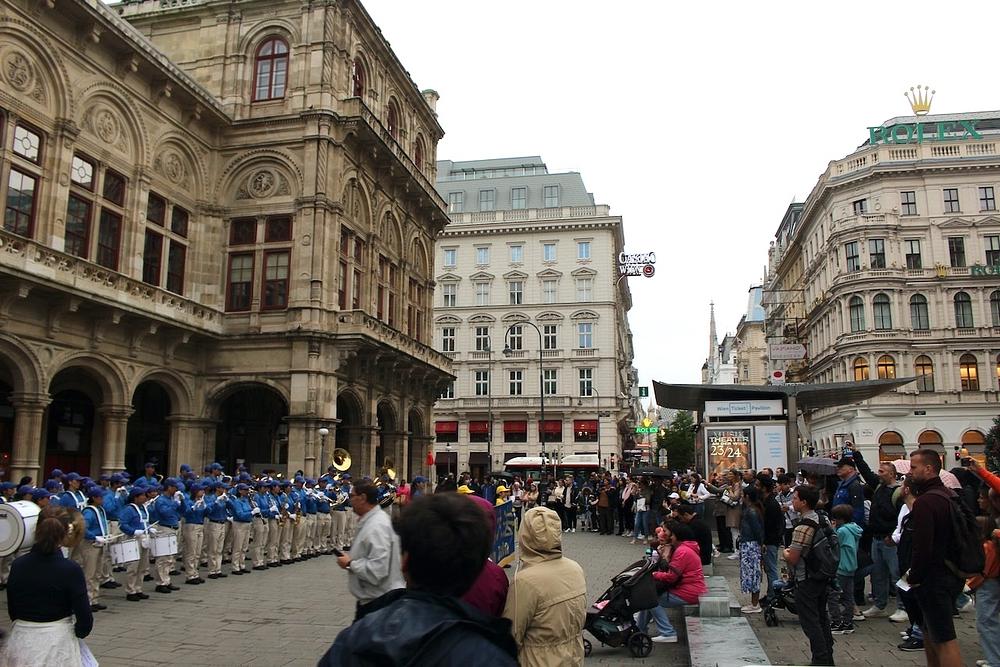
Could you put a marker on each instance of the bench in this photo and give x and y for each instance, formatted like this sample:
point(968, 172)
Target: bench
point(723, 642)
point(718, 602)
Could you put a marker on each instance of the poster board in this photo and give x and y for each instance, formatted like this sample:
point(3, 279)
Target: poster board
point(769, 448)
point(504, 542)
point(727, 448)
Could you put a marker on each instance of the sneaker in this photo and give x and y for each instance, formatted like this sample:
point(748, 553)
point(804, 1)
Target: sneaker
point(572, 530)
point(982, 663)
point(857, 618)
point(665, 639)
point(874, 612)
point(912, 645)
point(751, 609)
point(847, 629)
point(899, 616)
point(836, 628)
point(968, 606)
point(732, 556)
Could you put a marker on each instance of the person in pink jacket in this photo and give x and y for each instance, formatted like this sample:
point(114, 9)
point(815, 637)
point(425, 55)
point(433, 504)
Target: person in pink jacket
point(679, 577)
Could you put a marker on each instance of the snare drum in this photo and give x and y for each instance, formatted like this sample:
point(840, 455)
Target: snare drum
point(17, 526)
point(124, 551)
point(163, 545)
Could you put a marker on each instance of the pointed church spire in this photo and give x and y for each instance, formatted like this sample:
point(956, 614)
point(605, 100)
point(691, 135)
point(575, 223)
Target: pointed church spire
point(713, 344)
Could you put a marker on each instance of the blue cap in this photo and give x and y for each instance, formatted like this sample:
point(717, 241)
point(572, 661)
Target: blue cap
point(207, 468)
point(104, 478)
point(185, 467)
point(149, 464)
point(285, 484)
point(242, 487)
point(197, 486)
point(136, 491)
point(242, 468)
point(142, 481)
point(274, 483)
point(125, 475)
point(244, 477)
point(52, 484)
point(419, 479)
point(216, 466)
point(27, 488)
point(180, 485)
point(299, 479)
point(117, 479)
point(56, 472)
point(73, 477)
point(38, 494)
point(169, 481)
point(346, 475)
point(154, 487)
point(95, 491)
point(4, 486)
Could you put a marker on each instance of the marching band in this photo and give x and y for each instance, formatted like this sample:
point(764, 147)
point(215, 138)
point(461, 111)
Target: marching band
point(196, 523)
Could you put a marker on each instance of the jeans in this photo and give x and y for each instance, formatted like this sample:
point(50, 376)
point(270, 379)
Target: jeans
point(640, 524)
point(841, 605)
point(659, 613)
point(811, 598)
point(885, 571)
point(770, 566)
point(988, 620)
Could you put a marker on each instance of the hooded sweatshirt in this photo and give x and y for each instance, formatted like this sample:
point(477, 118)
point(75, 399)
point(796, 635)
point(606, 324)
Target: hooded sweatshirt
point(848, 535)
point(547, 601)
point(488, 593)
point(683, 575)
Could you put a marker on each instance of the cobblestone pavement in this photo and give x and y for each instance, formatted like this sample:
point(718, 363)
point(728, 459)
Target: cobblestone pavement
point(289, 616)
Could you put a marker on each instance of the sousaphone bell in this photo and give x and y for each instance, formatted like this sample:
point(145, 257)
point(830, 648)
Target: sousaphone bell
point(341, 459)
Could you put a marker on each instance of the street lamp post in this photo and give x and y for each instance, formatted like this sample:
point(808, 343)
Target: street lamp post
point(489, 400)
point(507, 352)
point(600, 413)
point(323, 432)
point(447, 447)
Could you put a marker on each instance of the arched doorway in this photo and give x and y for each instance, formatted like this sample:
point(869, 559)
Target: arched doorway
point(416, 443)
point(147, 437)
point(890, 447)
point(349, 414)
point(252, 430)
point(72, 427)
point(6, 423)
point(387, 428)
point(975, 442)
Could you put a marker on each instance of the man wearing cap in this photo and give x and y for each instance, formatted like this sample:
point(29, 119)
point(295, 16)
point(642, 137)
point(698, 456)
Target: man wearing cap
point(243, 513)
point(95, 538)
point(324, 523)
point(73, 497)
point(218, 519)
point(260, 526)
point(169, 507)
point(115, 497)
point(339, 515)
point(150, 474)
point(273, 554)
point(194, 532)
point(40, 497)
point(134, 522)
point(287, 525)
point(850, 490)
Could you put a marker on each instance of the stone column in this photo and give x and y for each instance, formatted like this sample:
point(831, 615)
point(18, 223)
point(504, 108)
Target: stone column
point(29, 412)
point(423, 443)
point(187, 442)
point(113, 446)
point(303, 444)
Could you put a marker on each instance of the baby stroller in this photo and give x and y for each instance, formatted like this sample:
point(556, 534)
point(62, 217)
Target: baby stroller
point(782, 597)
point(611, 619)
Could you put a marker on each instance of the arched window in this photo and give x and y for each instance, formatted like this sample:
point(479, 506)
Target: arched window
point(975, 442)
point(963, 311)
point(857, 310)
point(931, 440)
point(418, 154)
point(359, 78)
point(995, 307)
point(968, 369)
point(860, 369)
point(882, 312)
point(919, 319)
point(890, 447)
point(270, 70)
point(924, 369)
point(392, 120)
point(886, 367)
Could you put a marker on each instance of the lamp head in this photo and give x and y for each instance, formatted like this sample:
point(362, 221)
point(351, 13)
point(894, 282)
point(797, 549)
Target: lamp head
point(507, 351)
point(324, 431)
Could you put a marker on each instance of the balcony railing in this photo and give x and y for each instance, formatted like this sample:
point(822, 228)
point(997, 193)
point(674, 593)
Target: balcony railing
point(519, 215)
point(358, 322)
point(873, 156)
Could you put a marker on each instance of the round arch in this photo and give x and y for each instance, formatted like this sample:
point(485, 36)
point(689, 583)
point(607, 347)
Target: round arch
point(237, 172)
point(223, 390)
point(351, 421)
point(416, 435)
point(110, 378)
point(252, 426)
point(26, 373)
point(890, 446)
point(974, 441)
point(147, 434)
point(180, 394)
point(388, 425)
point(177, 162)
point(931, 439)
point(107, 119)
point(44, 65)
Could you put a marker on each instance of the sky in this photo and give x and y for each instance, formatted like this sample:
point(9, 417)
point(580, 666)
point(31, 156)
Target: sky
point(697, 122)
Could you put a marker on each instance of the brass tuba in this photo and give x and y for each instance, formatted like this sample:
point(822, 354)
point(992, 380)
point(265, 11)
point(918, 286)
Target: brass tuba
point(341, 459)
point(385, 486)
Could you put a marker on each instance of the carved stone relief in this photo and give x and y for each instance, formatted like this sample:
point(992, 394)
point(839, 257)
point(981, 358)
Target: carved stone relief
point(106, 124)
point(263, 183)
point(171, 165)
point(21, 74)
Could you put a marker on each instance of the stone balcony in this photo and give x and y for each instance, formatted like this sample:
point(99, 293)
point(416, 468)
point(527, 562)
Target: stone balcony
point(531, 214)
point(889, 154)
point(358, 326)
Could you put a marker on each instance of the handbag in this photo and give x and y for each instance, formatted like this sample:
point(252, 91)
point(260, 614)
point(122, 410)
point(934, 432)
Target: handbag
point(727, 500)
point(640, 504)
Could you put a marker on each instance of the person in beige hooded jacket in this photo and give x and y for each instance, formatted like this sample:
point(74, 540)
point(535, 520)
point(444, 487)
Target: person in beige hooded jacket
point(547, 602)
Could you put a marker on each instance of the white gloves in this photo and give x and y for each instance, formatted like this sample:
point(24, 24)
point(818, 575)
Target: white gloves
point(292, 517)
point(153, 530)
point(100, 540)
point(179, 496)
point(138, 533)
point(255, 511)
point(229, 519)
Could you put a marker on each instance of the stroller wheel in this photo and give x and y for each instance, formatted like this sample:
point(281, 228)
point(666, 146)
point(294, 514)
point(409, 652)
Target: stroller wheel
point(587, 648)
point(770, 618)
point(640, 645)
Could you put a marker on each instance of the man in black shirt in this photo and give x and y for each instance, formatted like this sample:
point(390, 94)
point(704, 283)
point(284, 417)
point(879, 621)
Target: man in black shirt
point(774, 527)
point(881, 524)
point(688, 514)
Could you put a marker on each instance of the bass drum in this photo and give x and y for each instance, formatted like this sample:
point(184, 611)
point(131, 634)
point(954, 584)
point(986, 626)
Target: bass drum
point(17, 526)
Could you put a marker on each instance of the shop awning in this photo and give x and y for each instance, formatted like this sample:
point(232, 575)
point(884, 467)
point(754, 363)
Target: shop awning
point(446, 427)
point(446, 459)
point(550, 426)
point(585, 425)
point(479, 459)
point(515, 427)
point(479, 427)
point(808, 395)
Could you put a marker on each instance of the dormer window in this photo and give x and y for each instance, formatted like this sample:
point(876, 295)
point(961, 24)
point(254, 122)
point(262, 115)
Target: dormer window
point(270, 70)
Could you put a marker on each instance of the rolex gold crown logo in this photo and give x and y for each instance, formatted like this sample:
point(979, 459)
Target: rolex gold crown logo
point(920, 99)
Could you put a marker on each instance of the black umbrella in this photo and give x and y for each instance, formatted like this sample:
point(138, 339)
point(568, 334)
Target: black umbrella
point(818, 465)
point(652, 471)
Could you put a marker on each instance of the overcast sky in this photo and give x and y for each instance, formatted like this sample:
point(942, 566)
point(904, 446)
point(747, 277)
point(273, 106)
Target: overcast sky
point(697, 122)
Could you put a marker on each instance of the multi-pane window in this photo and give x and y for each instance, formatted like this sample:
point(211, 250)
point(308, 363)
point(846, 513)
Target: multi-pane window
point(550, 196)
point(584, 289)
point(275, 287)
point(995, 308)
point(481, 382)
point(860, 206)
point(923, 368)
point(886, 367)
point(519, 198)
point(919, 315)
point(586, 382)
point(987, 202)
point(270, 70)
point(21, 205)
point(482, 337)
point(487, 200)
point(270, 253)
point(550, 381)
point(414, 308)
point(549, 252)
point(482, 255)
point(27, 143)
point(913, 260)
point(992, 250)
point(448, 391)
point(482, 293)
point(876, 253)
point(585, 334)
point(550, 336)
point(448, 339)
point(856, 307)
point(152, 257)
point(882, 312)
point(516, 292)
point(549, 290)
point(853, 258)
point(159, 236)
point(951, 200)
point(968, 369)
point(956, 250)
point(359, 78)
point(963, 311)
point(240, 284)
point(516, 383)
point(515, 337)
point(450, 257)
point(78, 225)
point(860, 369)
point(449, 294)
point(456, 202)
point(908, 202)
point(583, 249)
point(516, 254)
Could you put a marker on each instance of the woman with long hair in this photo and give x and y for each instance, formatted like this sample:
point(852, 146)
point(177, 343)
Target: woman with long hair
point(751, 550)
point(47, 596)
point(732, 496)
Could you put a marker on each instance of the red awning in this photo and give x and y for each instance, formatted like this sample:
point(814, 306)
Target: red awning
point(585, 425)
point(479, 427)
point(515, 427)
point(446, 427)
point(550, 426)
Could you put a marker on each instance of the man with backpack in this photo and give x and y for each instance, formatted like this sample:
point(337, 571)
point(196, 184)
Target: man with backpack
point(941, 549)
point(811, 554)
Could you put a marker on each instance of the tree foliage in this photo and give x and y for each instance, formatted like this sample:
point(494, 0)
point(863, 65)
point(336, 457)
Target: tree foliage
point(678, 439)
point(993, 446)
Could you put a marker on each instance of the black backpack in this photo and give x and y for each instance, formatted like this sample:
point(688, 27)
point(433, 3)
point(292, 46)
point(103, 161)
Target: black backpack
point(824, 555)
point(965, 555)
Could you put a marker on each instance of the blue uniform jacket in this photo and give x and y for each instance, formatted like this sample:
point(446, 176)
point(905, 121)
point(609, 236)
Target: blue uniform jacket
point(217, 509)
point(168, 511)
point(131, 519)
point(310, 503)
point(241, 509)
point(67, 499)
point(93, 523)
point(263, 502)
point(194, 515)
point(112, 504)
point(323, 502)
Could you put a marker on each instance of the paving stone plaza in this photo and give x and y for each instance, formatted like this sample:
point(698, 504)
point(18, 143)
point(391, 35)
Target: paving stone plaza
point(289, 616)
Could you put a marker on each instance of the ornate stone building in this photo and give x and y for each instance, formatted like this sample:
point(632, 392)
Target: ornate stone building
point(218, 238)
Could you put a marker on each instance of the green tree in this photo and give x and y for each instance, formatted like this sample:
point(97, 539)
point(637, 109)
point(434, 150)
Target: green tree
point(678, 439)
point(993, 446)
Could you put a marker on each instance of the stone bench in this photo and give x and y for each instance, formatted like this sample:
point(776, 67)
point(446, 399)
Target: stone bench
point(718, 602)
point(723, 642)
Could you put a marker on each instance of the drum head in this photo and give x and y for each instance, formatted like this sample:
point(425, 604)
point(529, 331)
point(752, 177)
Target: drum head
point(17, 526)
